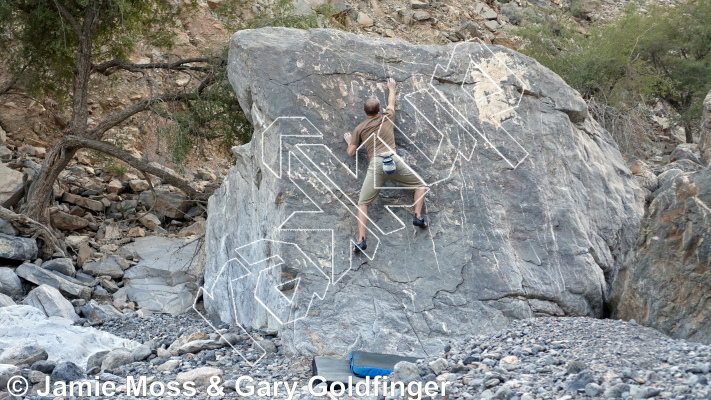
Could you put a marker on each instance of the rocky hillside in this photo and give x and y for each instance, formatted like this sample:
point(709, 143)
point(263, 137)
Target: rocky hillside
point(666, 280)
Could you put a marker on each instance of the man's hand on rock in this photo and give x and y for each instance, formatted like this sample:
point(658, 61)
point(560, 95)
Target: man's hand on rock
point(347, 136)
point(391, 84)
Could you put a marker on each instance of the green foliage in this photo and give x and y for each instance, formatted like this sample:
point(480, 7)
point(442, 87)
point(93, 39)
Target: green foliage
point(663, 52)
point(41, 39)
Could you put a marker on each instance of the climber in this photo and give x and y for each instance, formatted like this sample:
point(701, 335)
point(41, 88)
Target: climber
point(377, 134)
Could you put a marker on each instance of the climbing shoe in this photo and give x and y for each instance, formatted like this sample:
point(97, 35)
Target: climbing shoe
point(360, 246)
point(419, 222)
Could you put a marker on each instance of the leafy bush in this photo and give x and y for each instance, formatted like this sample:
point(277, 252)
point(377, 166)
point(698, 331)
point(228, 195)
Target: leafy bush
point(663, 52)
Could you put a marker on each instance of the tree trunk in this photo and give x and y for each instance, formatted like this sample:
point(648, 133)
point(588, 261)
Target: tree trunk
point(40, 192)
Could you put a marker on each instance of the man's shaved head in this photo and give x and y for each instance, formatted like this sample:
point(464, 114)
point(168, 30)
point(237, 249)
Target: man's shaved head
point(371, 107)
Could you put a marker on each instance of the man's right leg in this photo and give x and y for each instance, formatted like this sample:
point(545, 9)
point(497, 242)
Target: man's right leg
point(362, 221)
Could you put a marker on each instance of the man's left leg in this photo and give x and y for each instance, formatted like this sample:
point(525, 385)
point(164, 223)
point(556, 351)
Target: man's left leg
point(407, 177)
point(419, 201)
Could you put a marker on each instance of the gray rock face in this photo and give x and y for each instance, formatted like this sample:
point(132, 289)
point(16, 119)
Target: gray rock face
point(62, 265)
point(666, 280)
point(543, 238)
point(166, 279)
point(10, 283)
point(17, 248)
point(51, 302)
point(705, 141)
point(66, 284)
point(61, 340)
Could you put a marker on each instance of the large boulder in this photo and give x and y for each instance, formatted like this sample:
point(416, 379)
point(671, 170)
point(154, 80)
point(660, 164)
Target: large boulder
point(705, 141)
point(61, 340)
point(23, 353)
point(531, 207)
point(17, 248)
point(666, 280)
point(51, 302)
point(66, 284)
point(166, 278)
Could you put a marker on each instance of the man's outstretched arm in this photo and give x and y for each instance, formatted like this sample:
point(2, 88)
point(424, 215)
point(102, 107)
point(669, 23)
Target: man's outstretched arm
point(352, 149)
point(391, 93)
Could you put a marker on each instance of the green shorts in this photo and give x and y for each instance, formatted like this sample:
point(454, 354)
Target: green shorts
point(375, 179)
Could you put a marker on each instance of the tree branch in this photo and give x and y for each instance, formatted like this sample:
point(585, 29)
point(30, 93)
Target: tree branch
point(63, 12)
point(109, 67)
point(76, 142)
point(29, 226)
point(143, 105)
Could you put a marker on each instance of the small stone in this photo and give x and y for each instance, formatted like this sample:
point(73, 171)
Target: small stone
point(491, 25)
point(10, 283)
point(485, 11)
point(438, 365)
point(266, 345)
point(136, 231)
point(112, 266)
point(198, 336)
point(93, 205)
point(364, 20)
point(93, 364)
point(139, 185)
point(7, 371)
point(150, 221)
point(200, 376)
point(116, 358)
point(62, 265)
point(575, 367)
point(115, 186)
point(580, 382)
point(44, 366)
point(67, 222)
point(417, 4)
point(141, 352)
point(509, 360)
point(491, 383)
point(617, 390)
point(421, 15)
point(169, 365)
point(405, 372)
point(647, 392)
point(36, 376)
point(66, 372)
point(592, 389)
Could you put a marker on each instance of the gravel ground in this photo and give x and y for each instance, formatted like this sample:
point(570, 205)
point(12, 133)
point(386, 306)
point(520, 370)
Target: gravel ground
point(542, 358)
point(564, 358)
